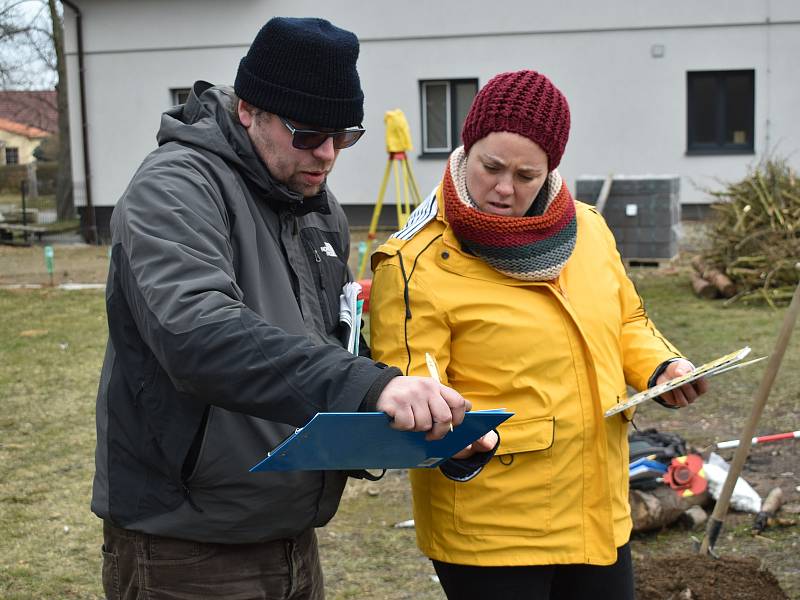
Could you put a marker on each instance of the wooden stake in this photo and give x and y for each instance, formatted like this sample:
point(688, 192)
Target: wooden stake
point(714, 526)
point(600, 205)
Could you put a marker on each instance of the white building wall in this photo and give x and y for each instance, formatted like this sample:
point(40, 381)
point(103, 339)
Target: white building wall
point(628, 108)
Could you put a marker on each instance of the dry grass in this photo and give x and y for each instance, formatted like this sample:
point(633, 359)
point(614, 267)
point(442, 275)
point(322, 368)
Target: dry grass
point(73, 263)
point(50, 353)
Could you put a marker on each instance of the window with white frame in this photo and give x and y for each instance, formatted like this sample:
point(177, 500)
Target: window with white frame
point(445, 104)
point(180, 95)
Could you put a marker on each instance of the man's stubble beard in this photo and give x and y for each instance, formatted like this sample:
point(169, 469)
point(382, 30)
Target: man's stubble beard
point(265, 147)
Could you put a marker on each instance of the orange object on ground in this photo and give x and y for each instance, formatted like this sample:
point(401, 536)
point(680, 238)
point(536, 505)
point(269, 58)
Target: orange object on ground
point(685, 475)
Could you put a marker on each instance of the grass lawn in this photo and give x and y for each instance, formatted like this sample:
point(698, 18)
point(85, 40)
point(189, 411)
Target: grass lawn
point(50, 354)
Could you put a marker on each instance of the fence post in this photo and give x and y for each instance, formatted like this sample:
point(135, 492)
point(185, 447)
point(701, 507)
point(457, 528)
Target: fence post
point(23, 186)
point(33, 180)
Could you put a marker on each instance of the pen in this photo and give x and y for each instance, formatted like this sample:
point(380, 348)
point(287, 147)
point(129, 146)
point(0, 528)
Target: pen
point(433, 369)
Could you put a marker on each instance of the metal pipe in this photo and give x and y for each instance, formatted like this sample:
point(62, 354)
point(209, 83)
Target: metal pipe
point(91, 234)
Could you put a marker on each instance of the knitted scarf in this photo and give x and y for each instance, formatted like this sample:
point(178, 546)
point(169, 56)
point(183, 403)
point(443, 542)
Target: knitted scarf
point(529, 248)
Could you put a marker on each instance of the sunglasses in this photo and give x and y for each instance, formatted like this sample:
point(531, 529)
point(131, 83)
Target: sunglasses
point(308, 139)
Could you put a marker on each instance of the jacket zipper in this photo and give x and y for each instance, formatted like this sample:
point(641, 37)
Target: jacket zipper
point(318, 260)
point(189, 498)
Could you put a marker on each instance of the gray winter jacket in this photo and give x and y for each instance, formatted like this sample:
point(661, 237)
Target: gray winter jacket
point(222, 302)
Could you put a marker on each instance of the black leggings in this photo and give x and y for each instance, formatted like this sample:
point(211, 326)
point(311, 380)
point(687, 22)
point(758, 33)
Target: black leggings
point(547, 582)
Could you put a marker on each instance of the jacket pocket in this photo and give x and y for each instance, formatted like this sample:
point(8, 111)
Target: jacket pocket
point(529, 435)
point(512, 495)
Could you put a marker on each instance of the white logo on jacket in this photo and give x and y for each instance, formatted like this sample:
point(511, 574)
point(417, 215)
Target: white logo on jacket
point(328, 249)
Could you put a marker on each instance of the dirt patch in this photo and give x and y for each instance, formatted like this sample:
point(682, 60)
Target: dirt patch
point(695, 577)
point(664, 558)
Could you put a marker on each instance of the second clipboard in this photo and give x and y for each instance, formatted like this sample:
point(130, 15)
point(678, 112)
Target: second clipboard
point(715, 367)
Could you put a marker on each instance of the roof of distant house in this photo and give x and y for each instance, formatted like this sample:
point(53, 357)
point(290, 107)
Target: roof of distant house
point(24, 130)
point(38, 109)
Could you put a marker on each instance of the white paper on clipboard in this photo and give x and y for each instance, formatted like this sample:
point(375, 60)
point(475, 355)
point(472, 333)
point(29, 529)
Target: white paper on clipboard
point(715, 367)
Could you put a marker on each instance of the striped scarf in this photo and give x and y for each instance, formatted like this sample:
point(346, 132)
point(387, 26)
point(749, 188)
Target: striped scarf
point(528, 248)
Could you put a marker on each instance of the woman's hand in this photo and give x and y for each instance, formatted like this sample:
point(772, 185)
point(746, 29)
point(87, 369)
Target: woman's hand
point(482, 444)
point(688, 392)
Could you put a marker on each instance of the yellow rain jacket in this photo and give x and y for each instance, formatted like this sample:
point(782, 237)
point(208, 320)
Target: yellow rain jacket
point(557, 354)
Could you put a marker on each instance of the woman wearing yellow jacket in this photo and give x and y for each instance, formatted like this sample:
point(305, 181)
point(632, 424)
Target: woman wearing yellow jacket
point(520, 294)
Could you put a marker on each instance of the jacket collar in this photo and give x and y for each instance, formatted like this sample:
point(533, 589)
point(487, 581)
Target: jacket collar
point(281, 199)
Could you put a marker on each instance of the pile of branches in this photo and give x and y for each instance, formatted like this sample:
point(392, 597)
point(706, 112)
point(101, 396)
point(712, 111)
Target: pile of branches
point(755, 240)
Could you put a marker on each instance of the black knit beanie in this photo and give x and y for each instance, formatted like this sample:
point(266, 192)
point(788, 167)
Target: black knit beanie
point(304, 70)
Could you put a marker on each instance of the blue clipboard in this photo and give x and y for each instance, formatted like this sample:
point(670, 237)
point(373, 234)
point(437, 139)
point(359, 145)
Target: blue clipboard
point(365, 440)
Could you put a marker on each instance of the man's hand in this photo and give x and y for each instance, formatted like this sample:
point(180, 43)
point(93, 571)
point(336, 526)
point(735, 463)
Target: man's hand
point(688, 392)
point(422, 404)
point(482, 444)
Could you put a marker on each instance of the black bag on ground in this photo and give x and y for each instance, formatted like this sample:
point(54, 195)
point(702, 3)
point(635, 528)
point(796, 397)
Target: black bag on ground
point(660, 446)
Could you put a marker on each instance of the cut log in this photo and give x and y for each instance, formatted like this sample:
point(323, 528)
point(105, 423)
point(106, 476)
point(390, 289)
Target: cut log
point(772, 504)
point(660, 507)
point(703, 288)
point(694, 517)
point(721, 281)
point(698, 264)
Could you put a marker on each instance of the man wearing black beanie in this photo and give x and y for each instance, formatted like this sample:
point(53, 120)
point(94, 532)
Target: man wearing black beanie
point(229, 254)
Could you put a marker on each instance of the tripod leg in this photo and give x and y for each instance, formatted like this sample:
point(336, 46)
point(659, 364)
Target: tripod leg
point(398, 199)
point(373, 225)
point(406, 203)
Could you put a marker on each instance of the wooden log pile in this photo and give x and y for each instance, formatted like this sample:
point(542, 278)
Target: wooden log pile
point(755, 240)
point(709, 282)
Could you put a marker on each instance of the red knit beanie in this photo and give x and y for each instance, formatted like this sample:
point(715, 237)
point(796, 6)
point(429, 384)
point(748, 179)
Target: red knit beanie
point(522, 102)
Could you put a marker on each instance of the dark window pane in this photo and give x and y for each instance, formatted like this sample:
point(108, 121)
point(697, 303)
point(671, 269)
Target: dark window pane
point(464, 94)
point(436, 111)
point(180, 95)
point(12, 156)
point(739, 114)
point(721, 111)
point(703, 108)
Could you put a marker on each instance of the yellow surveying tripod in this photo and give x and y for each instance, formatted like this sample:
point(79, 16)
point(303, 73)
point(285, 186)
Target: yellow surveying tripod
point(398, 142)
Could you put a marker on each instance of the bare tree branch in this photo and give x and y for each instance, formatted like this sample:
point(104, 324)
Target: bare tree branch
point(32, 56)
point(27, 59)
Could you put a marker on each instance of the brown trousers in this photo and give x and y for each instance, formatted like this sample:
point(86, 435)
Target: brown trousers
point(139, 566)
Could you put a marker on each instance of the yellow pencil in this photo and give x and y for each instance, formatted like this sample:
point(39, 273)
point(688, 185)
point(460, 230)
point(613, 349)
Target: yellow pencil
point(433, 369)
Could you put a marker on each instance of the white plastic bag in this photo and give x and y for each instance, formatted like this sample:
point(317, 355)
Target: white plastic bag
point(744, 497)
